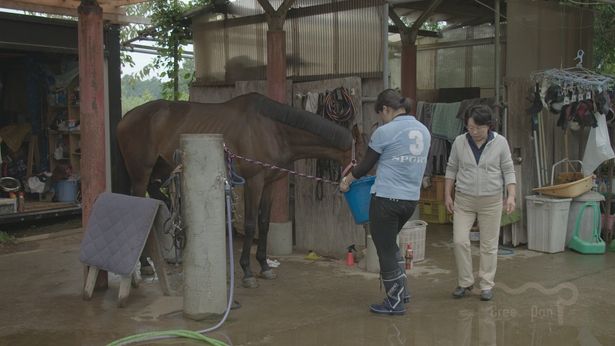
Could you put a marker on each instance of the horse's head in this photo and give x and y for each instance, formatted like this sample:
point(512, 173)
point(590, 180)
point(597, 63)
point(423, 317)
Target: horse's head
point(357, 151)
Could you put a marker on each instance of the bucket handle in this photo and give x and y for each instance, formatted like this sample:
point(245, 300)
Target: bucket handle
point(560, 162)
point(417, 223)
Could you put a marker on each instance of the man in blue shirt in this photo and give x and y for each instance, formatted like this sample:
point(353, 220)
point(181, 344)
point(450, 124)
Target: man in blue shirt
point(400, 147)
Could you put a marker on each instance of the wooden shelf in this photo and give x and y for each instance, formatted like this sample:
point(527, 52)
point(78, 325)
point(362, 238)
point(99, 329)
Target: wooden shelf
point(68, 138)
point(64, 132)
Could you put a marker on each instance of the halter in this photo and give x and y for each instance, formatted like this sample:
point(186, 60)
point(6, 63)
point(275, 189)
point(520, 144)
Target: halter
point(353, 161)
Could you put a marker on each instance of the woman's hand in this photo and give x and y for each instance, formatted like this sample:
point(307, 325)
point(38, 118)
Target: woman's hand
point(449, 203)
point(509, 204)
point(345, 183)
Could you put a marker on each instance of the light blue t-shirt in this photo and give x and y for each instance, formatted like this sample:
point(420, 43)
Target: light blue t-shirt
point(403, 145)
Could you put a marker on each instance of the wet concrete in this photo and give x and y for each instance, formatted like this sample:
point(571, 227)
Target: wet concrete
point(540, 299)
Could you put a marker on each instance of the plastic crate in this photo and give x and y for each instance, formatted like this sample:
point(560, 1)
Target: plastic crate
point(414, 232)
point(547, 220)
point(8, 206)
point(436, 191)
point(433, 212)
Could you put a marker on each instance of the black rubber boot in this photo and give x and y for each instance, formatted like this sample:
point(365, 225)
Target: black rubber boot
point(394, 285)
point(402, 266)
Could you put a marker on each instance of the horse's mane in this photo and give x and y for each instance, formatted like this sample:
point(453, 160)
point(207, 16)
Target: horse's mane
point(334, 134)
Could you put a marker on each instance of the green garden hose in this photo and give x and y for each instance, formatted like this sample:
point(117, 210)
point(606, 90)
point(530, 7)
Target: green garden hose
point(160, 335)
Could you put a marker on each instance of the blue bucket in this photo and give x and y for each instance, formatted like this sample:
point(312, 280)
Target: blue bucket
point(66, 190)
point(358, 198)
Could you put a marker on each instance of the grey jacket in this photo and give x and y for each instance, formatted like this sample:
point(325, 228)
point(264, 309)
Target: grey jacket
point(487, 178)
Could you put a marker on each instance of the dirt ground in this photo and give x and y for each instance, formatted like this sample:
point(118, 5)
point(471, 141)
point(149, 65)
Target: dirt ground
point(41, 228)
point(540, 299)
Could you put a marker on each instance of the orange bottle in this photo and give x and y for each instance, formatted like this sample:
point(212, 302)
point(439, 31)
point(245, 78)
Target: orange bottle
point(20, 203)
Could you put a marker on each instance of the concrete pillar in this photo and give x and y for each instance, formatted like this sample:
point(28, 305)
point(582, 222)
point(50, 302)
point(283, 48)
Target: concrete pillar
point(205, 292)
point(280, 239)
point(408, 70)
point(92, 109)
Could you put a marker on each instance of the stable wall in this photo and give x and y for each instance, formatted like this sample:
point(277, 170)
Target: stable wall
point(541, 35)
point(322, 224)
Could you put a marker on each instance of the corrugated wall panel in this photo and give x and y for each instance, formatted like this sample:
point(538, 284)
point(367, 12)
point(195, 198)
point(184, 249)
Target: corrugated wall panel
point(484, 31)
point(450, 68)
point(326, 45)
point(315, 48)
point(426, 69)
point(209, 54)
point(483, 66)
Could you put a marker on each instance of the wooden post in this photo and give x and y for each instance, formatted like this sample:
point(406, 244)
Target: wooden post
point(91, 84)
point(276, 89)
point(33, 155)
point(408, 71)
point(408, 52)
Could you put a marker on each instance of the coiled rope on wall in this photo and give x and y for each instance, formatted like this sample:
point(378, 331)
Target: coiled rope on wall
point(338, 106)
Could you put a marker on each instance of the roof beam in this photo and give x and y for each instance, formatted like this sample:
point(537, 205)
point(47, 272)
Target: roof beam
point(469, 22)
point(409, 34)
point(117, 16)
point(474, 10)
point(70, 7)
point(293, 13)
point(425, 33)
point(426, 13)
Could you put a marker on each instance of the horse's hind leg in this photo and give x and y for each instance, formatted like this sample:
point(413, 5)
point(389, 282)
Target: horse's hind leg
point(264, 217)
point(139, 179)
point(252, 191)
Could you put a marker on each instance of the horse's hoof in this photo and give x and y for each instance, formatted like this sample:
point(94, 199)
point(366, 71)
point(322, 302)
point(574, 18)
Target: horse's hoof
point(147, 271)
point(268, 274)
point(250, 282)
point(235, 305)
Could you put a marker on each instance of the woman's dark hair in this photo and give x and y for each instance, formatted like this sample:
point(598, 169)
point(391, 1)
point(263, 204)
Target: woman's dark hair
point(481, 114)
point(393, 99)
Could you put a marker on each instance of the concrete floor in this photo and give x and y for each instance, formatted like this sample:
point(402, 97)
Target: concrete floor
point(540, 299)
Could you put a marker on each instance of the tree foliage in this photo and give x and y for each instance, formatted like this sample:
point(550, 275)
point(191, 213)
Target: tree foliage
point(171, 33)
point(604, 38)
point(137, 90)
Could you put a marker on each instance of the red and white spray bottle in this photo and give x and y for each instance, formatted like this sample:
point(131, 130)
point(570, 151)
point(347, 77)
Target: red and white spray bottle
point(409, 256)
point(350, 255)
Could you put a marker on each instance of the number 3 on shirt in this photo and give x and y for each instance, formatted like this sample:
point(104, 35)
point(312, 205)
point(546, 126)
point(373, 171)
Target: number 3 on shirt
point(417, 148)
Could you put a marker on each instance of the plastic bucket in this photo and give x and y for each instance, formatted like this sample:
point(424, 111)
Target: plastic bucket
point(358, 197)
point(413, 232)
point(66, 190)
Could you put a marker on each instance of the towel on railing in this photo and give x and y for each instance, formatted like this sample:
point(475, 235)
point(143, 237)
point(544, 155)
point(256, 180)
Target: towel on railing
point(445, 123)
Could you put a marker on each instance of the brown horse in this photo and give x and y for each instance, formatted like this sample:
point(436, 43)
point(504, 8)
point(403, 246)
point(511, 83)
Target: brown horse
point(253, 126)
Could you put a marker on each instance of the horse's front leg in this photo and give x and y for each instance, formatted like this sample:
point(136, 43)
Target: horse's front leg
point(264, 217)
point(252, 194)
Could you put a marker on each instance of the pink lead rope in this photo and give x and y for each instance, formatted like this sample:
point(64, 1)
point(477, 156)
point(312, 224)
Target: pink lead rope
point(352, 163)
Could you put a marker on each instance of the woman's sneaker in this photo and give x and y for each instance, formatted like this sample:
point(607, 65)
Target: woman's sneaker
point(486, 295)
point(461, 292)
